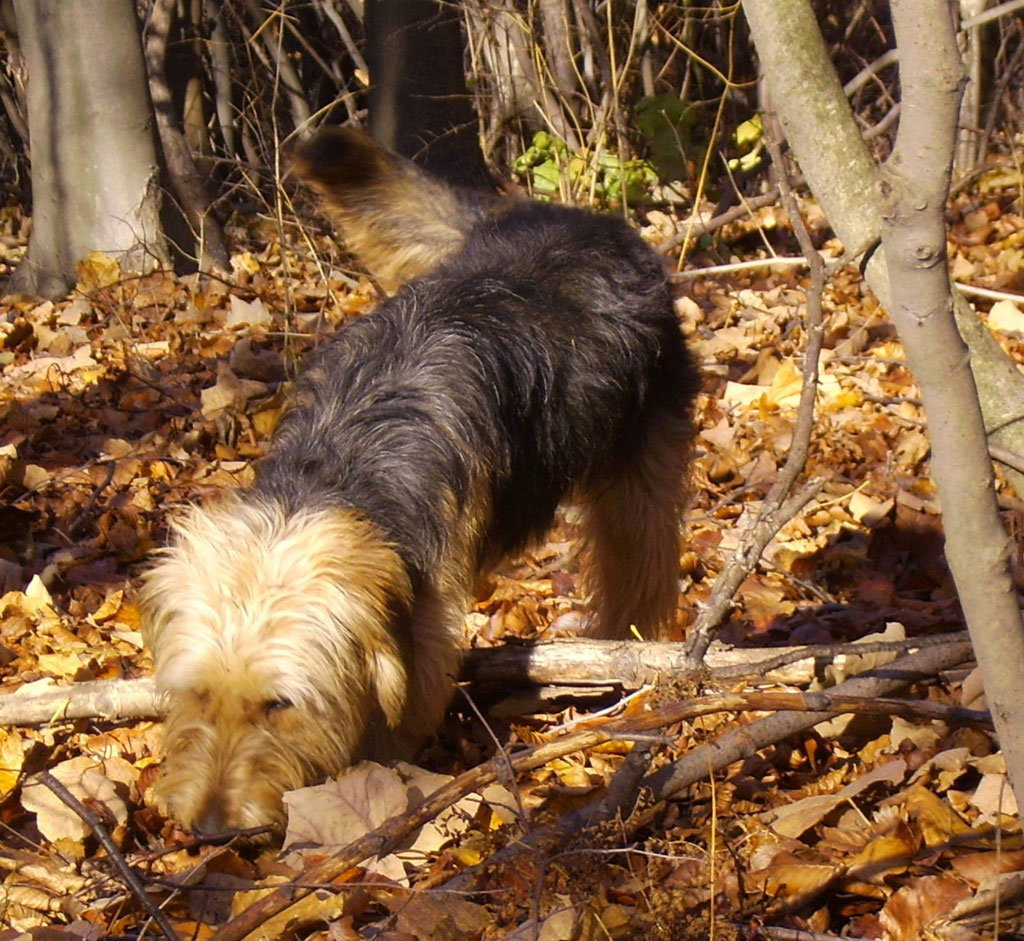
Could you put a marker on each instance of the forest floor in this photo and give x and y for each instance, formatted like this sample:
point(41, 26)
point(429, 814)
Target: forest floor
point(135, 396)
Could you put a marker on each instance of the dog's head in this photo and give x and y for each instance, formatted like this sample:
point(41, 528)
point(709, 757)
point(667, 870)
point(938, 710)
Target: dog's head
point(272, 636)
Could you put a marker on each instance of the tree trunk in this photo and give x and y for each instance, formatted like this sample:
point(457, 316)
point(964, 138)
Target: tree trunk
point(94, 166)
point(419, 104)
point(208, 247)
point(911, 278)
point(914, 189)
point(806, 94)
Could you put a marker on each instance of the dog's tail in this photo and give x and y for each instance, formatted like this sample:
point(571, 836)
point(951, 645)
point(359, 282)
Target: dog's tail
point(399, 221)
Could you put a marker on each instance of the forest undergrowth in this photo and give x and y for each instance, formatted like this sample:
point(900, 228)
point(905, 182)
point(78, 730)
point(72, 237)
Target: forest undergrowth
point(137, 395)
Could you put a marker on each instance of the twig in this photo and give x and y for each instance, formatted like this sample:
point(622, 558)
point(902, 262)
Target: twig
point(1009, 458)
point(694, 230)
point(825, 653)
point(988, 293)
point(871, 71)
point(796, 934)
point(776, 509)
point(120, 863)
point(741, 743)
point(756, 263)
point(188, 845)
point(742, 562)
point(1004, 9)
point(79, 521)
point(508, 780)
point(813, 708)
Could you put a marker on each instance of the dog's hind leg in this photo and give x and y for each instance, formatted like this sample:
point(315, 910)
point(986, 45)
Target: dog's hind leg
point(632, 524)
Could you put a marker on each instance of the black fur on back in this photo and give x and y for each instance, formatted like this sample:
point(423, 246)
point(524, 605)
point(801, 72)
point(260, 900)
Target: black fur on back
point(532, 361)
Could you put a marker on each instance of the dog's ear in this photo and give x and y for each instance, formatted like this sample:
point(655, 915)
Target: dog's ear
point(390, 682)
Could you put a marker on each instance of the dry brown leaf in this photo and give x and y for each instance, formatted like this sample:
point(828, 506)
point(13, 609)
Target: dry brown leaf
point(976, 867)
point(907, 915)
point(97, 271)
point(883, 857)
point(444, 918)
point(86, 779)
point(796, 818)
point(794, 881)
point(938, 821)
point(366, 795)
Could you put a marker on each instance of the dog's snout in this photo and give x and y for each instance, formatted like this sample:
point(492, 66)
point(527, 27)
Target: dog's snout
point(212, 817)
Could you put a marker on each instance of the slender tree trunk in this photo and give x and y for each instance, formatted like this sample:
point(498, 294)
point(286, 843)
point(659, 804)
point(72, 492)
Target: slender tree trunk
point(914, 188)
point(419, 104)
point(806, 94)
point(554, 15)
point(94, 166)
point(911, 278)
point(208, 248)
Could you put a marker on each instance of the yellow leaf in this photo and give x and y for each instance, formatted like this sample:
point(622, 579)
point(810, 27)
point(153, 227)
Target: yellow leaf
point(938, 821)
point(786, 385)
point(468, 856)
point(97, 270)
point(244, 262)
point(63, 665)
point(12, 755)
point(265, 421)
point(109, 608)
point(883, 856)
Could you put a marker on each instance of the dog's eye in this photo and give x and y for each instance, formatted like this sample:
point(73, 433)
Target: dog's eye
point(276, 705)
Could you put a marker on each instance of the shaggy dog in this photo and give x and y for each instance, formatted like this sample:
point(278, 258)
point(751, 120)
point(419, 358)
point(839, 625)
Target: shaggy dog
point(316, 619)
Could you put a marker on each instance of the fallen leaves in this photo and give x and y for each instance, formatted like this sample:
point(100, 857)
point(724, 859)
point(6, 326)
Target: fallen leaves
point(141, 395)
point(365, 796)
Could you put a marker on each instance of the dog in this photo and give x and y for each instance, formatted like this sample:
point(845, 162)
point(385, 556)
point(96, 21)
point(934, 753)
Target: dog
point(531, 354)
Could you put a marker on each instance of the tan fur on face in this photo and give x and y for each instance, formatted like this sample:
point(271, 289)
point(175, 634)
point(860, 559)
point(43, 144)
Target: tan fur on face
point(273, 643)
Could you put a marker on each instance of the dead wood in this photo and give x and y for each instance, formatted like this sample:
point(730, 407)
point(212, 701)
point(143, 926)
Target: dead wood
point(631, 665)
point(858, 695)
point(36, 704)
point(739, 743)
point(575, 667)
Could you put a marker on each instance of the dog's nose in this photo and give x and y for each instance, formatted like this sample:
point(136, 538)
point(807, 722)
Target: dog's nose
point(211, 817)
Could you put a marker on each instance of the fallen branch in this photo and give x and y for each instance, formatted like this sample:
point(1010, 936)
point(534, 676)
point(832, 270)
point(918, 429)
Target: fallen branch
point(735, 745)
point(630, 665)
point(573, 665)
point(39, 704)
point(811, 708)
